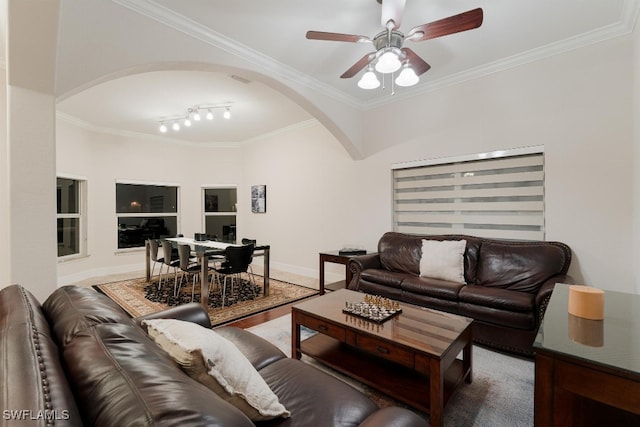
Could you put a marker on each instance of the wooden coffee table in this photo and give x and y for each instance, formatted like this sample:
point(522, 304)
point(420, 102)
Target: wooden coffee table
point(412, 356)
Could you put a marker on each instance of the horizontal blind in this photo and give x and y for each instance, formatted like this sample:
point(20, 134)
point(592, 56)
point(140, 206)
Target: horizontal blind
point(494, 198)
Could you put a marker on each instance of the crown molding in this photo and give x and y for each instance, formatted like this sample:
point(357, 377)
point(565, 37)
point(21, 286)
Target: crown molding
point(296, 126)
point(624, 26)
point(82, 124)
point(271, 67)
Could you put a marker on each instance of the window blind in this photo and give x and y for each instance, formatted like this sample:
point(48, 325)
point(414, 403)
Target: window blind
point(494, 198)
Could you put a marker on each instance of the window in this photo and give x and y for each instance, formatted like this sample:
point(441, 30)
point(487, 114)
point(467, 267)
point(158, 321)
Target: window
point(495, 195)
point(144, 212)
point(219, 209)
point(70, 221)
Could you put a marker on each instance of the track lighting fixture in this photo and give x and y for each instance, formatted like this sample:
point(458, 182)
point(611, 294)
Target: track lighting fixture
point(193, 113)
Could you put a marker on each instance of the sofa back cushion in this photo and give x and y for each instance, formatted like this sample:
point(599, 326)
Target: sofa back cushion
point(35, 389)
point(521, 266)
point(401, 252)
point(72, 309)
point(122, 378)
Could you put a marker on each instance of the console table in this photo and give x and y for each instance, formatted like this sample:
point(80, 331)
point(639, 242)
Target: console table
point(587, 372)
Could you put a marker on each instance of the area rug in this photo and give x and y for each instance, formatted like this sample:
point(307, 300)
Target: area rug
point(138, 297)
point(501, 394)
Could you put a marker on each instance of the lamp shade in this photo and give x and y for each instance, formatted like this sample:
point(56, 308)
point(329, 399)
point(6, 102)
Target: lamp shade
point(369, 80)
point(407, 77)
point(388, 62)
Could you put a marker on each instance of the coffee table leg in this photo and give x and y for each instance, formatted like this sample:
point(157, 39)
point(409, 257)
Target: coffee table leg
point(436, 405)
point(295, 337)
point(467, 361)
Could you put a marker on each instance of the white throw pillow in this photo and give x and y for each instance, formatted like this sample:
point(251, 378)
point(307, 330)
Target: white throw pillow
point(217, 363)
point(443, 260)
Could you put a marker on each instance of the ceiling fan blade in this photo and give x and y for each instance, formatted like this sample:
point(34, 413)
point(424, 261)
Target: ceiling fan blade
point(443, 27)
point(336, 37)
point(355, 68)
point(418, 64)
point(392, 10)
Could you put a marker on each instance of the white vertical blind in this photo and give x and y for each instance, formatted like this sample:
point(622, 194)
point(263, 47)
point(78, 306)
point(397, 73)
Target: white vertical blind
point(496, 197)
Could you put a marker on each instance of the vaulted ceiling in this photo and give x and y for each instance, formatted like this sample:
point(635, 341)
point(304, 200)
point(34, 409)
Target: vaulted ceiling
point(96, 37)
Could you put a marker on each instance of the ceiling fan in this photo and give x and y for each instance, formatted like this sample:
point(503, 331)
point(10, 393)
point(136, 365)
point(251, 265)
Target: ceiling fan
point(390, 55)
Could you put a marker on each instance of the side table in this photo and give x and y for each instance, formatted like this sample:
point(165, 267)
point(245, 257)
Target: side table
point(587, 372)
point(336, 258)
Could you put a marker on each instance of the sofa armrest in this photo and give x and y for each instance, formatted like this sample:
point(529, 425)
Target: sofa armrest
point(394, 416)
point(544, 293)
point(359, 263)
point(192, 312)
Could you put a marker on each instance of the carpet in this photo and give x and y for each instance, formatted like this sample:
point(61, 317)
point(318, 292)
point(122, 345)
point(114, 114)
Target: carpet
point(501, 394)
point(137, 297)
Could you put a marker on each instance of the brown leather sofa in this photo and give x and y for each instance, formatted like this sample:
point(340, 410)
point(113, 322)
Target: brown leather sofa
point(80, 360)
point(508, 283)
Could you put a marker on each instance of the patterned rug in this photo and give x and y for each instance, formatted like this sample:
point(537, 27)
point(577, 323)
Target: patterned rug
point(138, 297)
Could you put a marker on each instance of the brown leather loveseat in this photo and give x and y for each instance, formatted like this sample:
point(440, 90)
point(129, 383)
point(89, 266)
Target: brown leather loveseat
point(80, 360)
point(507, 283)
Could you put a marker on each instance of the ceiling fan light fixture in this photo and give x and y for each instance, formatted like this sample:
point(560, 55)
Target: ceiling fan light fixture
point(196, 115)
point(227, 113)
point(369, 80)
point(209, 114)
point(388, 62)
point(407, 76)
point(187, 121)
point(175, 126)
point(163, 128)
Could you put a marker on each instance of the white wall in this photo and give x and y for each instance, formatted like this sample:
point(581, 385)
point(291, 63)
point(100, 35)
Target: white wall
point(102, 159)
point(636, 155)
point(577, 107)
point(318, 198)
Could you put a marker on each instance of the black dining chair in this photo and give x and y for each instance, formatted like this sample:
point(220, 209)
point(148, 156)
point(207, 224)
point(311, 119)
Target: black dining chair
point(246, 241)
point(153, 254)
point(237, 261)
point(188, 267)
point(171, 261)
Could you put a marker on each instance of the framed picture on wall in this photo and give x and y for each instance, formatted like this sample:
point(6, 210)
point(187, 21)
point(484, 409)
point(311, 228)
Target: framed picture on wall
point(258, 198)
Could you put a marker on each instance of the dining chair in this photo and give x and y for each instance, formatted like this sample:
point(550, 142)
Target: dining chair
point(171, 261)
point(237, 261)
point(153, 254)
point(188, 267)
point(246, 241)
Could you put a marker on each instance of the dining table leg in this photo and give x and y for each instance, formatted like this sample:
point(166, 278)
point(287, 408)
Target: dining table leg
point(147, 259)
point(204, 280)
point(266, 272)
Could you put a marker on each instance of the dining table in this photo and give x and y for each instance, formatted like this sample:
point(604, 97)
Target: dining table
point(204, 250)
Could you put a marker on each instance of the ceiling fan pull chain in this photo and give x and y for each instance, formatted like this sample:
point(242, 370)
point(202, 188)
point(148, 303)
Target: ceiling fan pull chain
point(393, 87)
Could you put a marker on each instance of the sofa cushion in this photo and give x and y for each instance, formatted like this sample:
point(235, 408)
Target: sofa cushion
point(258, 351)
point(432, 287)
point(519, 266)
point(122, 378)
point(72, 309)
point(217, 363)
point(401, 252)
point(514, 320)
point(502, 299)
point(315, 398)
point(385, 277)
point(443, 260)
point(32, 375)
